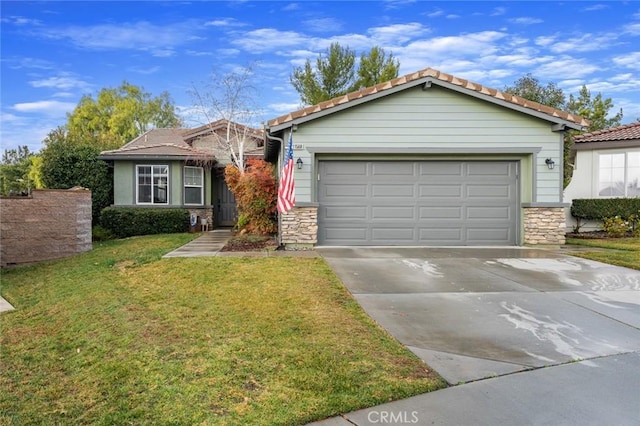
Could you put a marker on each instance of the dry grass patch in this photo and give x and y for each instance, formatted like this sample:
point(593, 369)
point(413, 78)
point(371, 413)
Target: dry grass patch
point(120, 336)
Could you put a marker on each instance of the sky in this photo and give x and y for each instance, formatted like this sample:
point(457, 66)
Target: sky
point(53, 53)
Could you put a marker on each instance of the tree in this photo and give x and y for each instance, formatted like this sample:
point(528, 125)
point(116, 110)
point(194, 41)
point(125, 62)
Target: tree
point(14, 171)
point(256, 193)
point(529, 87)
point(335, 74)
point(66, 164)
point(595, 110)
point(118, 115)
point(229, 100)
point(376, 67)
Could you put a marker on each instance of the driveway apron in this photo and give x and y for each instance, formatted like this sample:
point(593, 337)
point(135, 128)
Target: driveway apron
point(475, 313)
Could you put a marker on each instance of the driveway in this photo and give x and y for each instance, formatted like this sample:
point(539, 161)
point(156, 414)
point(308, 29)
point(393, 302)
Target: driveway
point(476, 313)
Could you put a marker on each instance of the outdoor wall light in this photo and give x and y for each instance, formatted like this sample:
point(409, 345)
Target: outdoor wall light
point(299, 163)
point(550, 163)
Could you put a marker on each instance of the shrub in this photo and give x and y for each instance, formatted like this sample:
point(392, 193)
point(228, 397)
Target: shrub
point(100, 233)
point(256, 194)
point(615, 227)
point(628, 209)
point(129, 221)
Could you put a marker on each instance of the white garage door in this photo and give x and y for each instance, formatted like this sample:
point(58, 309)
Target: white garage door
point(417, 203)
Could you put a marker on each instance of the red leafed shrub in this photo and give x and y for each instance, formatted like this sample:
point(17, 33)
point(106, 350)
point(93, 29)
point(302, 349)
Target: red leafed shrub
point(256, 193)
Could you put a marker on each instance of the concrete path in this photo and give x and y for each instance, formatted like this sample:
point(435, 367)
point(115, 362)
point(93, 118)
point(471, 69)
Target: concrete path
point(208, 244)
point(507, 326)
point(4, 305)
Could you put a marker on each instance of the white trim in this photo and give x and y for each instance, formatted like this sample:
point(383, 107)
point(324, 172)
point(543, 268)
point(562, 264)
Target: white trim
point(137, 184)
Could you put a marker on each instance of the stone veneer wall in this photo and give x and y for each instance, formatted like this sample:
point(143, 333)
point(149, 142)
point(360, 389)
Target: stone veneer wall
point(544, 225)
point(299, 227)
point(49, 224)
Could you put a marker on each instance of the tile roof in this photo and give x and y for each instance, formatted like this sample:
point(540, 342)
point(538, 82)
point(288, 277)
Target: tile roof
point(621, 133)
point(436, 76)
point(220, 124)
point(158, 143)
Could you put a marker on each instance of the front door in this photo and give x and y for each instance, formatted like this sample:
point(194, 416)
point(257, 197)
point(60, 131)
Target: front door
point(225, 205)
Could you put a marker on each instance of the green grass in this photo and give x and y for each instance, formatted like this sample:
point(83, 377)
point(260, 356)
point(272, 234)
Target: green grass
point(120, 336)
point(618, 251)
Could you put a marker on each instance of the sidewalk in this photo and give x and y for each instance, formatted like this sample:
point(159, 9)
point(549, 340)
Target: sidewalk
point(208, 244)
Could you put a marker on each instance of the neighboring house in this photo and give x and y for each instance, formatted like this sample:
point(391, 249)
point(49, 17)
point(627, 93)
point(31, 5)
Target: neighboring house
point(425, 159)
point(607, 164)
point(180, 168)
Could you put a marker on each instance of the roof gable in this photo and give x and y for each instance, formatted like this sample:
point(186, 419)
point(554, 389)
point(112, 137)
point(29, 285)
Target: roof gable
point(427, 77)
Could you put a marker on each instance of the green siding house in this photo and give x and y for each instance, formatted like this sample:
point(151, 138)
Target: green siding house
point(425, 159)
point(180, 168)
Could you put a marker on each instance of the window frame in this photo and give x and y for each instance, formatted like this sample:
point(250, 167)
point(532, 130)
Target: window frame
point(626, 169)
point(185, 186)
point(153, 186)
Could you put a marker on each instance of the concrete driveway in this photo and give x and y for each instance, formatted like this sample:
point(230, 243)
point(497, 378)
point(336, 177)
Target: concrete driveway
point(475, 313)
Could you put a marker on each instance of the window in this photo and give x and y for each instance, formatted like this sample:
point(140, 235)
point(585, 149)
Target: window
point(193, 185)
point(153, 184)
point(619, 174)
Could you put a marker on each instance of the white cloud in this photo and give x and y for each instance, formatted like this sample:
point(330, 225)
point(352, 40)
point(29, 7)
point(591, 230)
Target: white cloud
point(396, 34)
point(631, 60)
point(64, 81)
point(595, 7)
point(144, 71)
point(633, 29)
point(34, 63)
point(160, 40)
point(50, 108)
point(224, 22)
point(584, 43)
point(269, 39)
point(526, 21)
point(565, 65)
point(320, 25)
point(20, 21)
point(498, 11)
point(435, 13)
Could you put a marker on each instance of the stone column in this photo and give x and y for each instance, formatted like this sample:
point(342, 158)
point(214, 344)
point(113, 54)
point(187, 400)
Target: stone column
point(544, 225)
point(299, 227)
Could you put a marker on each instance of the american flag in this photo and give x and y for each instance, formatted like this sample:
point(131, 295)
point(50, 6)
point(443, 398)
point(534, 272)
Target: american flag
point(286, 189)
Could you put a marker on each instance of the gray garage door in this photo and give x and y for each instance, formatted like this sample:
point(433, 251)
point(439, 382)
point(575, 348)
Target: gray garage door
point(417, 203)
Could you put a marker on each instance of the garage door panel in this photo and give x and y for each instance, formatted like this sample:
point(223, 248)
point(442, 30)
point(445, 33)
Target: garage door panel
point(345, 212)
point(392, 212)
point(489, 191)
point(393, 235)
point(487, 235)
point(453, 212)
point(440, 235)
point(418, 203)
point(392, 168)
point(448, 191)
point(345, 168)
point(474, 213)
point(443, 168)
point(390, 190)
point(481, 168)
point(347, 191)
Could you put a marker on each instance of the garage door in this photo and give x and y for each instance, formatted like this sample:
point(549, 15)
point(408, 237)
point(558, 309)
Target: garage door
point(417, 203)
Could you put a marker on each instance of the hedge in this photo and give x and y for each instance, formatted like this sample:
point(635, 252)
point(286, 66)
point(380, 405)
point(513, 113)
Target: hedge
point(600, 209)
point(129, 221)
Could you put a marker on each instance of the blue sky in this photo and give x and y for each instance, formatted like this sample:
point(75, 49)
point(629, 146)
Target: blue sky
point(54, 52)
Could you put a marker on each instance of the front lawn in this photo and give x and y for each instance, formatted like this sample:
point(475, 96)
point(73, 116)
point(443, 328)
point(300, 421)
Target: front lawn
point(617, 251)
point(120, 336)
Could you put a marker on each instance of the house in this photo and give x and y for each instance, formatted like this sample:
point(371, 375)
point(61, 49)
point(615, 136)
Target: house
point(181, 168)
point(607, 164)
point(425, 159)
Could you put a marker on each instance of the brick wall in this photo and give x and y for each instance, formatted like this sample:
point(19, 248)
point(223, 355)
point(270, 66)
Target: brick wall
point(50, 224)
point(544, 225)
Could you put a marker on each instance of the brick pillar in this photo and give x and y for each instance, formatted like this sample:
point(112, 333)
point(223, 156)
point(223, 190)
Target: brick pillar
point(299, 227)
point(544, 225)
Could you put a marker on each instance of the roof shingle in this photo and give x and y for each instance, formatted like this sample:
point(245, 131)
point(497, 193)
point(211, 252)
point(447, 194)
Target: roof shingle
point(621, 133)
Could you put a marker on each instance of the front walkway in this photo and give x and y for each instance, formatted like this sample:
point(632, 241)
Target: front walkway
point(208, 244)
